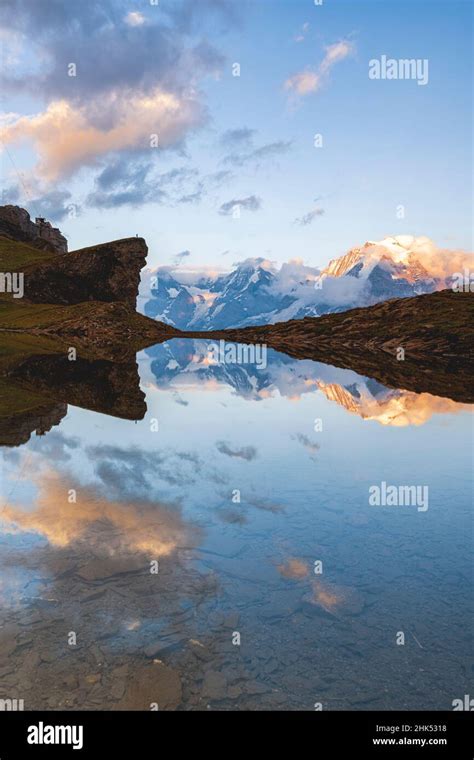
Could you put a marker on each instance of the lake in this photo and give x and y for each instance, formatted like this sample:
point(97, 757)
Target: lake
point(222, 551)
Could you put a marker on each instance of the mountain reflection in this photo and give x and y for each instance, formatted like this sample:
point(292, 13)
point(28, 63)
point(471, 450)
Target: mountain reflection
point(184, 365)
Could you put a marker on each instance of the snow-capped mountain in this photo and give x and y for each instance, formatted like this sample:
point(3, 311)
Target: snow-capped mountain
point(392, 266)
point(241, 297)
point(171, 302)
point(256, 292)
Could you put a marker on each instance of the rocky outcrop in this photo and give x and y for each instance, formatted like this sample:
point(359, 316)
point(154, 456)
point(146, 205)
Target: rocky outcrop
point(101, 386)
point(106, 272)
point(38, 383)
point(17, 428)
point(16, 224)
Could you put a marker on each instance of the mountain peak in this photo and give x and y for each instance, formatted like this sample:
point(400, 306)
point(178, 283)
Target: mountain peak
point(401, 255)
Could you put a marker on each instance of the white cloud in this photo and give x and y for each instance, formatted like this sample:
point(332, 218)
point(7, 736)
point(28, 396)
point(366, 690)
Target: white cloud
point(336, 53)
point(251, 203)
point(441, 263)
point(311, 80)
point(134, 18)
point(300, 37)
point(309, 217)
point(303, 82)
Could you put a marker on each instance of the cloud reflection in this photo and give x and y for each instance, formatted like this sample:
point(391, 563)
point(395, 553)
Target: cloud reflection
point(112, 526)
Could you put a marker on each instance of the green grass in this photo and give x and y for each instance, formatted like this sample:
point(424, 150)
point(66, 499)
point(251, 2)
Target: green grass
point(21, 315)
point(15, 256)
point(17, 346)
point(15, 400)
point(97, 329)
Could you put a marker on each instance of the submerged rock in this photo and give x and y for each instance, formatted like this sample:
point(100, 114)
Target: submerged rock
point(214, 685)
point(155, 684)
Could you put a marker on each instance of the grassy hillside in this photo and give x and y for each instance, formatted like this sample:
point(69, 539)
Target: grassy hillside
point(16, 256)
point(95, 329)
point(15, 400)
point(84, 298)
point(22, 315)
point(434, 325)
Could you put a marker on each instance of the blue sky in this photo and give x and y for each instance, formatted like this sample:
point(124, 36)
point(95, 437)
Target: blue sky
point(246, 138)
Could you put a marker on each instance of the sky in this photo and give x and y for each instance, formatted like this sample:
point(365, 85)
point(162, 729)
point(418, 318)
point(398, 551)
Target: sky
point(225, 129)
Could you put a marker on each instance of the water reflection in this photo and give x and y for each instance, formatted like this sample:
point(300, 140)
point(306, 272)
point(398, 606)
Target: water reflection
point(65, 512)
point(185, 365)
point(259, 525)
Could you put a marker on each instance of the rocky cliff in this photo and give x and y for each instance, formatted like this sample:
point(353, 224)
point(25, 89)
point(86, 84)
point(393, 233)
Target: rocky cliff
point(16, 224)
point(106, 272)
point(17, 427)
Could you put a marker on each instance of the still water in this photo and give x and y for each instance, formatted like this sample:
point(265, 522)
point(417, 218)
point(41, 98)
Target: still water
point(222, 552)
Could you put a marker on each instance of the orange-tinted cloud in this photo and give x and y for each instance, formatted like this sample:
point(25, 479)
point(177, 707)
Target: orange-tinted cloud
point(311, 80)
point(115, 527)
point(329, 598)
point(65, 138)
point(294, 569)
